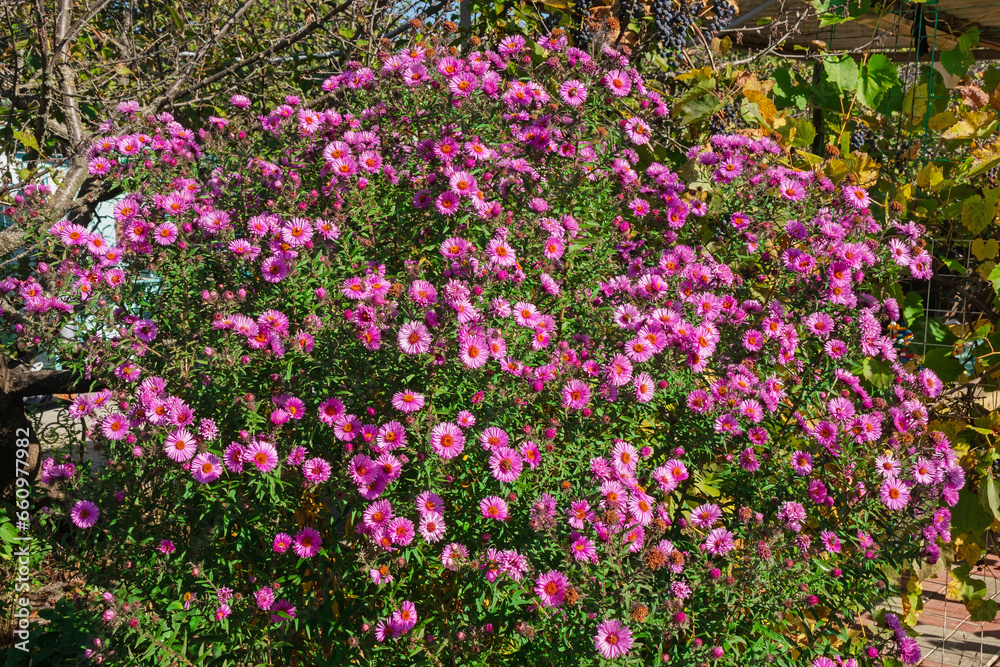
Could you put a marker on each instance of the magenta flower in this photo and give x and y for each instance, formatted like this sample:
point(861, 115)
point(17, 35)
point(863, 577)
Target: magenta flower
point(316, 470)
point(282, 542)
point(705, 516)
point(792, 190)
point(856, 196)
point(84, 514)
point(505, 464)
point(262, 454)
point(307, 543)
point(576, 395)
point(613, 640)
point(719, 542)
point(474, 352)
point(551, 588)
point(115, 427)
point(895, 494)
point(432, 527)
point(494, 507)
point(206, 468)
point(180, 445)
point(407, 401)
point(573, 93)
point(282, 607)
point(264, 597)
point(447, 440)
point(405, 616)
point(414, 338)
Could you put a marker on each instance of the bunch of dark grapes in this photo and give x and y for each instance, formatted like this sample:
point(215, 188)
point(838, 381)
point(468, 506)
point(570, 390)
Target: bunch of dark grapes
point(583, 35)
point(725, 121)
point(632, 10)
point(673, 21)
point(551, 21)
point(859, 137)
point(723, 16)
point(993, 175)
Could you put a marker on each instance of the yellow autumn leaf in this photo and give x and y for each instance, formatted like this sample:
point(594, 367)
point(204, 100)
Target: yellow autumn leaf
point(764, 104)
point(959, 130)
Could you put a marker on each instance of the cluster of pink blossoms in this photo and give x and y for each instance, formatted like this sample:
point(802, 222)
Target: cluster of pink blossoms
point(545, 382)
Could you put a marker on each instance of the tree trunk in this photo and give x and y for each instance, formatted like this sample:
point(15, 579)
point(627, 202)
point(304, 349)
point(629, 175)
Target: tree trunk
point(17, 382)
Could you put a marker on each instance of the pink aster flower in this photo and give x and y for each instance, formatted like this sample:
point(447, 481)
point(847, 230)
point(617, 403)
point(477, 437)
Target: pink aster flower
point(791, 189)
point(705, 516)
point(644, 387)
point(115, 427)
point(551, 588)
point(529, 451)
point(281, 543)
point(262, 454)
point(506, 464)
point(274, 269)
point(474, 352)
point(494, 507)
point(414, 338)
point(429, 502)
point(264, 597)
point(391, 435)
point(206, 468)
point(573, 93)
point(447, 203)
point(432, 527)
point(613, 640)
point(447, 440)
point(637, 131)
point(618, 82)
point(802, 463)
point(856, 196)
point(405, 616)
point(462, 183)
point(316, 470)
point(895, 494)
point(576, 394)
point(493, 438)
point(233, 457)
point(180, 445)
point(283, 612)
point(501, 253)
point(407, 401)
point(84, 514)
point(719, 542)
point(307, 543)
point(165, 233)
point(346, 427)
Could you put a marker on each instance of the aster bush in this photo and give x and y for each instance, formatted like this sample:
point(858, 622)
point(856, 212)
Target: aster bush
point(456, 371)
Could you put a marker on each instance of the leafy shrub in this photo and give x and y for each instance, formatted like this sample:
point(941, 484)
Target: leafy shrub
point(455, 372)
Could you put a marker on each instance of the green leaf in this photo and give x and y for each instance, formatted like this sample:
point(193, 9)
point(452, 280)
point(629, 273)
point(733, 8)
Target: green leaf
point(878, 372)
point(788, 93)
point(989, 495)
point(982, 611)
point(26, 138)
point(943, 363)
point(958, 60)
point(968, 516)
point(991, 77)
point(842, 71)
point(913, 307)
point(975, 215)
point(877, 77)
